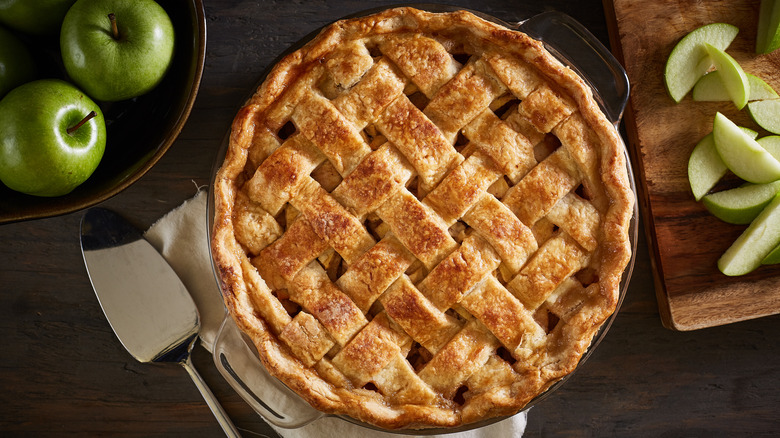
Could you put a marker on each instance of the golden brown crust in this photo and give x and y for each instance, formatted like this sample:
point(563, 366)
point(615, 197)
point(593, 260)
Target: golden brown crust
point(390, 271)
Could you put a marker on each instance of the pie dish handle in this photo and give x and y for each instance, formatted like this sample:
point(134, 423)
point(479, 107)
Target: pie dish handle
point(572, 43)
point(242, 369)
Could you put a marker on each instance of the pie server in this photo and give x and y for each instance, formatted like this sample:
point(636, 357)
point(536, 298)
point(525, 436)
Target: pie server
point(145, 302)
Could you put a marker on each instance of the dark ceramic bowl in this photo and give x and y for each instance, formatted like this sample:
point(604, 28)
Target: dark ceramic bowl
point(139, 130)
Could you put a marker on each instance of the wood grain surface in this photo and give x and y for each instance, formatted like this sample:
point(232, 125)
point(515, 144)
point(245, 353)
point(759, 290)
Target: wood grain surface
point(63, 372)
point(687, 240)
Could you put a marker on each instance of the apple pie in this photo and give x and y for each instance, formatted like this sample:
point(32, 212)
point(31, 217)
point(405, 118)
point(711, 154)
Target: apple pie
point(421, 219)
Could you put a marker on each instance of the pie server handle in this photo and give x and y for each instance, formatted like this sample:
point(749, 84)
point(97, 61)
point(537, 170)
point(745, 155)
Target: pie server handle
point(216, 408)
point(574, 45)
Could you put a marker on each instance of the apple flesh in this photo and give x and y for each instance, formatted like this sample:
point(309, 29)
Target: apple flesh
point(112, 64)
point(755, 243)
point(16, 62)
point(743, 155)
point(47, 148)
point(742, 204)
point(689, 60)
point(768, 35)
point(705, 167)
point(710, 88)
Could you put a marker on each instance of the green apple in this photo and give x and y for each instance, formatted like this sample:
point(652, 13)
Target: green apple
point(743, 155)
point(768, 35)
point(742, 204)
point(731, 74)
point(767, 114)
point(710, 88)
point(689, 60)
point(705, 167)
point(16, 63)
point(35, 17)
point(755, 243)
point(52, 137)
point(116, 49)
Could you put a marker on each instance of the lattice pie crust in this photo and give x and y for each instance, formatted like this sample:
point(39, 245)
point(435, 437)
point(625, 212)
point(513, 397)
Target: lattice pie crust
point(421, 220)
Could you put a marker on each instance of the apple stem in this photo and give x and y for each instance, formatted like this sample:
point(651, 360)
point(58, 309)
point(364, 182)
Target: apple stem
point(114, 29)
point(78, 125)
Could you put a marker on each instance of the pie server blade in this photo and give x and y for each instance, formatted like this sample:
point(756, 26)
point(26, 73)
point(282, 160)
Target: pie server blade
point(145, 302)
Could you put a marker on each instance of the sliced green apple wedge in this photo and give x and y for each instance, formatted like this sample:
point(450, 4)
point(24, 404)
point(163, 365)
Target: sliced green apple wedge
point(710, 88)
point(734, 79)
point(742, 204)
point(767, 114)
point(768, 35)
point(689, 59)
point(773, 257)
point(705, 167)
point(743, 155)
point(753, 245)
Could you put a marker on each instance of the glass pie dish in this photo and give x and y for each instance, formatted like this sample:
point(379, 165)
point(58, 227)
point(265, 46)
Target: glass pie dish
point(234, 354)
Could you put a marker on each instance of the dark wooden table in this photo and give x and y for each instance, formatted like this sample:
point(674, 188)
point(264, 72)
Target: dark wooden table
point(63, 372)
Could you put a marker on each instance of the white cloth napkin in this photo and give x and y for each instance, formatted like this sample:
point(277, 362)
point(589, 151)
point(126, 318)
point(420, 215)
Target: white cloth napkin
point(181, 236)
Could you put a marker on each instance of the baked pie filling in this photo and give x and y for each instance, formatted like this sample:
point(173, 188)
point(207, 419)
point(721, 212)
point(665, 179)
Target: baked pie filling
point(422, 219)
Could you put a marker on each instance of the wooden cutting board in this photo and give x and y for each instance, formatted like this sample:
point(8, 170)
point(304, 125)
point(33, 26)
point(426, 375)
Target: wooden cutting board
point(684, 239)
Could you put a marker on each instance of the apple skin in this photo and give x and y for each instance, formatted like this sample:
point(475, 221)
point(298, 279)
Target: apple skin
point(111, 69)
point(16, 62)
point(773, 257)
point(768, 34)
point(37, 155)
point(28, 15)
